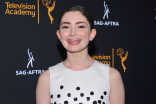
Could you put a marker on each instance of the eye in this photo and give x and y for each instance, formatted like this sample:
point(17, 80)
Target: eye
point(64, 27)
point(81, 27)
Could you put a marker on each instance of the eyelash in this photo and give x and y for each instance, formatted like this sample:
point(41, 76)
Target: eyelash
point(81, 27)
point(64, 27)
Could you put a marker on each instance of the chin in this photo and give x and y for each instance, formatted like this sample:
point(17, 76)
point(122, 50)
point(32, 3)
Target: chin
point(73, 51)
point(76, 50)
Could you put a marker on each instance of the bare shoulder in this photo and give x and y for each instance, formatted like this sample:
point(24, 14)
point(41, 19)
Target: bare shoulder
point(116, 87)
point(114, 73)
point(115, 78)
point(45, 75)
point(44, 79)
point(42, 89)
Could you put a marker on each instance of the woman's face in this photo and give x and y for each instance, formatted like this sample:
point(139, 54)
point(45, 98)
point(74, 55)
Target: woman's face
point(75, 32)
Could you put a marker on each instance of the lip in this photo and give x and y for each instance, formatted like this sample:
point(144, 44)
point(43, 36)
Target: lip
point(74, 42)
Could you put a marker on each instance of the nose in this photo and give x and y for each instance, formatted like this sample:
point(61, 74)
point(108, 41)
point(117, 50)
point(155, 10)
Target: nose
point(73, 31)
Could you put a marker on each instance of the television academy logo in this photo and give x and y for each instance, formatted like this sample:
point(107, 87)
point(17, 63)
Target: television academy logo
point(27, 9)
point(108, 59)
point(120, 52)
point(50, 9)
point(30, 63)
point(105, 59)
point(20, 9)
point(106, 23)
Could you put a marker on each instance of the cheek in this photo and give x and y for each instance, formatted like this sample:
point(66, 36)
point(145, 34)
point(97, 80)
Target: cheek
point(85, 34)
point(63, 34)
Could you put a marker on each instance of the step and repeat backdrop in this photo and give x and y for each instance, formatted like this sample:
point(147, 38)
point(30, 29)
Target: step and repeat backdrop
point(125, 40)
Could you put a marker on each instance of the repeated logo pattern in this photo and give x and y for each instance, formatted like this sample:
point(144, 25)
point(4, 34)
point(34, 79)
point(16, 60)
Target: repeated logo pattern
point(31, 59)
point(105, 16)
point(50, 9)
point(120, 52)
point(106, 11)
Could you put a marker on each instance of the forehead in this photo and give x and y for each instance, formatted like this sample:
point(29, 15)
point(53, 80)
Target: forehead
point(74, 16)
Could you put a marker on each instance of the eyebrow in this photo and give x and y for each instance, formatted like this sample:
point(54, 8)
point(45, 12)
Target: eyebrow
point(75, 23)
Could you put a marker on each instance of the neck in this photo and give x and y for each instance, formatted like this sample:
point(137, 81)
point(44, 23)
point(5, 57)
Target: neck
point(78, 59)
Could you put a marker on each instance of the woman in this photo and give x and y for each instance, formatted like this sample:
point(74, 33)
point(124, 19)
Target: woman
point(79, 79)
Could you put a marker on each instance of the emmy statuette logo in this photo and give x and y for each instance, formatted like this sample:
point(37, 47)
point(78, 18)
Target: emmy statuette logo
point(120, 52)
point(30, 59)
point(106, 11)
point(50, 9)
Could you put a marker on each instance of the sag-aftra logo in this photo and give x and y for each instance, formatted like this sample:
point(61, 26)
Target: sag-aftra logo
point(30, 70)
point(106, 16)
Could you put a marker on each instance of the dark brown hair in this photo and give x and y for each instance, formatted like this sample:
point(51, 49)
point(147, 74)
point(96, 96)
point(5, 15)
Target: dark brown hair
point(84, 12)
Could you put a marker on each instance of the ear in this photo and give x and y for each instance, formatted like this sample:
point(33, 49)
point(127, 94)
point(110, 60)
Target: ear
point(92, 34)
point(58, 34)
